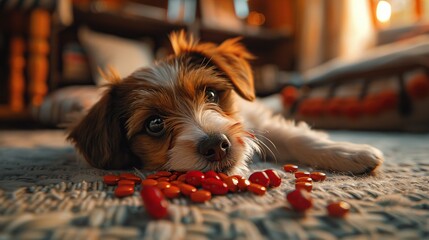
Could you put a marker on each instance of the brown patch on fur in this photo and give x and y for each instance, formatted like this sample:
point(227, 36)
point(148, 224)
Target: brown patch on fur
point(99, 136)
point(230, 57)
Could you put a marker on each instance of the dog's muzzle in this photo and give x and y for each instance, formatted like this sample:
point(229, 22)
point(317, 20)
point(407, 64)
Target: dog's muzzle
point(214, 147)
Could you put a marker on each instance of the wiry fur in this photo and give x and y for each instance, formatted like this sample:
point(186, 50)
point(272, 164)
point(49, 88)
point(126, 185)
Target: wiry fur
point(112, 134)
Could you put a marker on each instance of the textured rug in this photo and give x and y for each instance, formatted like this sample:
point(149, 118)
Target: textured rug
point(46, 194)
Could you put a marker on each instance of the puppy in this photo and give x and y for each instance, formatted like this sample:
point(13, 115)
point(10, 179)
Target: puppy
point(196, 110)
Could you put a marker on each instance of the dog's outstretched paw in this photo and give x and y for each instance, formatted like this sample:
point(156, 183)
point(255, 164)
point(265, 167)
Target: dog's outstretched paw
point(354, 158)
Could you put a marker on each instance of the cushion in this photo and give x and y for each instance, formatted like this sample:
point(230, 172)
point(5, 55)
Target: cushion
point(104, 51)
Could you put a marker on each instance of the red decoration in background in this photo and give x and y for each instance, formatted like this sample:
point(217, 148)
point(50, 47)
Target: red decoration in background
point(351, 108)
point(334, 106)
point(312, 107)
point(418, 86)
point(289, 95)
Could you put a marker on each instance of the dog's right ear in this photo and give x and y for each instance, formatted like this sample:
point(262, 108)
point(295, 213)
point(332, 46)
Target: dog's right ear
point(100, 136)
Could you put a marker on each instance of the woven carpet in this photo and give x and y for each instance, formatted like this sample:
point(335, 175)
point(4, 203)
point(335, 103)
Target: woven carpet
point(46, 194)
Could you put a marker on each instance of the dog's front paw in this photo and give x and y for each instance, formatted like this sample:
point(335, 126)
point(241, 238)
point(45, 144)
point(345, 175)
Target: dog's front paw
point(353, 158)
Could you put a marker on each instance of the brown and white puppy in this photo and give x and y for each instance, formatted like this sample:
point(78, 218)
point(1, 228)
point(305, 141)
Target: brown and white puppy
point(197, 110)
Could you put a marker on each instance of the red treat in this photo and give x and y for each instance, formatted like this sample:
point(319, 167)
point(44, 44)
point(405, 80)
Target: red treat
point(201, 196)
point(243, 184)
point(304, 185)
point(195, 178)
point(222, 176)
point(290, 168)
point(126, 182)
point(171, 192)
point(124, 190)
point(274, 177)
point(176, 183)
point(163, 174)
point(154, 202)
point(301, 174)
point(173, 177)
point(130, 176)
point(187, 189)
point(338, 209)
point(300, 200)
point(163, 185)
point(257, 189)
point(215, 186)
point(149, 182)
point(111, 179)
point(152, 176)
point(232, 183)
point(260, 178)
point(304, 179)
point(181, 178)
point(211, 174)
point(163, 179)
point(318, 176)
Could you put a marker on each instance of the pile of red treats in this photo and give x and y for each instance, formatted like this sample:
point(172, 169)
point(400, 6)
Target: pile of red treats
point(200, 187)
point(300, 199)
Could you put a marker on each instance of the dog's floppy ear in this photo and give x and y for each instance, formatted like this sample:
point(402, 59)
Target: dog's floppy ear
point(99, 136)
point(230, 57)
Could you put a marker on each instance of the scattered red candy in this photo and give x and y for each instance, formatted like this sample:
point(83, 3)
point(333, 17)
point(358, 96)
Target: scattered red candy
point(163, 185)
point(257, 189)
point(300, 200)
point(195, 178)
point(124, 190)
point(215, 186)
point(163, 174)
point(187, 189)
point(304, 185)
point(232, 183)
point(130, 176)
point(304, 179)
point(201, 196)
point(260, 178)
point(111, 179)
point(290, 168)
point(318, 176)
point(243, 184)
point(338, 209)
point(126, 182)
point(173, 184)
point(163, 179)
point(149, 182)
point(152, 176)
point(302, 174)
point(154, 202)
point(274, 177)
point(222, 176)
point(181, 178)
point(171, 192)
point(211, 174)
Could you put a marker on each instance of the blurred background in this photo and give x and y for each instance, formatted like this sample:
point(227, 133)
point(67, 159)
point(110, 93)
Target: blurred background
point(348, 64)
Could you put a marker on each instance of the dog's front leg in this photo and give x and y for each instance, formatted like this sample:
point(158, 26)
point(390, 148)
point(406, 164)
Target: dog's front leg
point(290, 141)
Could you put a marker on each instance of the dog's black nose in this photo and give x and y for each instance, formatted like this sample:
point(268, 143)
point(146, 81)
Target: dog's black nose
point(214, 147)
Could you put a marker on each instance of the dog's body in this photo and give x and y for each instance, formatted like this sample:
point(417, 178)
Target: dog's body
point(196, 110)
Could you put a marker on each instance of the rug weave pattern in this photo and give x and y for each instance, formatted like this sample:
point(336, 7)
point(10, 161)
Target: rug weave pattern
point(45, 194)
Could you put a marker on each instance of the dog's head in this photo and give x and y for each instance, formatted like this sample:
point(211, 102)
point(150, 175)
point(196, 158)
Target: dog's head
point(179, 114)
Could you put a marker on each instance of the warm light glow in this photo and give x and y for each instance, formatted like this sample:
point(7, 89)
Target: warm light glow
point(384, 11)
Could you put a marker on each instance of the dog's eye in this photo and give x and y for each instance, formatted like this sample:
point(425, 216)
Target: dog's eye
point(155, 126)
point(212, 96)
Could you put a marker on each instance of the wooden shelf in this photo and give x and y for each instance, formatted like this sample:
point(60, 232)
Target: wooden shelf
point(126, 25)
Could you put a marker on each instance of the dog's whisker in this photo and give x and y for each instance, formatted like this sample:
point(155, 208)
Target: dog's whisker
point(265, 147)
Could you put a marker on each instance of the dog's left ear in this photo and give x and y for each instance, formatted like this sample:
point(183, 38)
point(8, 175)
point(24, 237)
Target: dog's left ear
point(230, 57)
